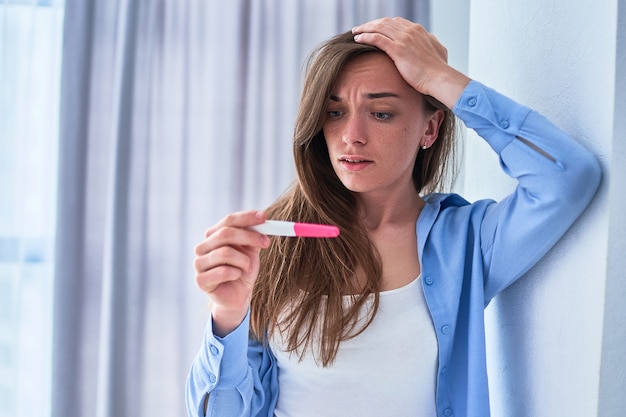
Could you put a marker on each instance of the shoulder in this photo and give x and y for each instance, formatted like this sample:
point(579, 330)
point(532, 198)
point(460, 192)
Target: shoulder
point(452, 203)
point(450, 213)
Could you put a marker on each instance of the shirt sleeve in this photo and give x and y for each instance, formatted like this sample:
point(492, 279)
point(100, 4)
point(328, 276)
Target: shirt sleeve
point(236, 373)
point(557, 178)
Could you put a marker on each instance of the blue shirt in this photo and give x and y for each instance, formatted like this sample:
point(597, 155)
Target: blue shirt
point(468, 254)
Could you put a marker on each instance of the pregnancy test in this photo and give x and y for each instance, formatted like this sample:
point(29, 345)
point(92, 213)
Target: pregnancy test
point(291, 229)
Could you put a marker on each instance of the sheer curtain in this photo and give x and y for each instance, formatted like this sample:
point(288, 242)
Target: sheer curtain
point(30, 66)
point(174, 113)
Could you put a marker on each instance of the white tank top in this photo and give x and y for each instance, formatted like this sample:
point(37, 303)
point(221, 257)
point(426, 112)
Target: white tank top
point(388, 370)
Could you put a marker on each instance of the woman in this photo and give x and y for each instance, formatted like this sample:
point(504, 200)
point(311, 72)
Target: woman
point(387, 319)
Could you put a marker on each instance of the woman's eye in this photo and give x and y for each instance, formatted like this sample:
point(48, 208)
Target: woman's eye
point(382, 115)
point(333, 114)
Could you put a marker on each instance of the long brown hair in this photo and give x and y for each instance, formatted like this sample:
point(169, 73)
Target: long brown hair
point(302, 282)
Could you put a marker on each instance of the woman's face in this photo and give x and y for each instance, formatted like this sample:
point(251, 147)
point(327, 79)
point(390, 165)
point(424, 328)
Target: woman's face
point(375, 126)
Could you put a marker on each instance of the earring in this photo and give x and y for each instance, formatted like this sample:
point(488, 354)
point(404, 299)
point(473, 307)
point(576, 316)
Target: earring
point(424, 147)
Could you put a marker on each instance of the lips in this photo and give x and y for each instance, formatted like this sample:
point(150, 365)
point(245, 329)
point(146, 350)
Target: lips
point(354, 162)
point(354, 158)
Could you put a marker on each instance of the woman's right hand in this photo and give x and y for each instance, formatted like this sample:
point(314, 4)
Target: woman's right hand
point(227, 265)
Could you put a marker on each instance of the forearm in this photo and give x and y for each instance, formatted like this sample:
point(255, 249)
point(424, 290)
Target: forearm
point(556, 177)
point(520, 135)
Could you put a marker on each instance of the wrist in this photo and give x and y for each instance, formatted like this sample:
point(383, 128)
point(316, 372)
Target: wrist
point(226, 320)
point(449, 86)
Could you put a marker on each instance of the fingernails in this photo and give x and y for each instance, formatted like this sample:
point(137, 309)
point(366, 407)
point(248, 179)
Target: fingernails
point(259, 215)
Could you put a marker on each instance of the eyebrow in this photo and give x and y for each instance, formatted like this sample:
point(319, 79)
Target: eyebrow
point(370, 96)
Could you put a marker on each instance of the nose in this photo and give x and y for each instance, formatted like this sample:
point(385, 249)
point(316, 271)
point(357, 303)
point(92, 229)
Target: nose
point(354, 130)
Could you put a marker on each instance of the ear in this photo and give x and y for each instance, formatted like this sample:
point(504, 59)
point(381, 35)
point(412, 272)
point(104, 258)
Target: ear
point(432, 128)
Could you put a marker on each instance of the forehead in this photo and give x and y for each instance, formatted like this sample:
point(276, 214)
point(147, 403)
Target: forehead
point(373, 71)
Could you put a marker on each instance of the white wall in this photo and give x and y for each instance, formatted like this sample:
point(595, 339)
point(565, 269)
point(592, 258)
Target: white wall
point(449, 22)
point(556, 338)
point(612, 393)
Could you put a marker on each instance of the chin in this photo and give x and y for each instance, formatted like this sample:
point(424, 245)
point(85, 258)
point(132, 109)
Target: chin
point(357, 188)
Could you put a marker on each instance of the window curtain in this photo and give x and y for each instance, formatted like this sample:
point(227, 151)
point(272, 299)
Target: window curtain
point(30, 68)
point(173, 113)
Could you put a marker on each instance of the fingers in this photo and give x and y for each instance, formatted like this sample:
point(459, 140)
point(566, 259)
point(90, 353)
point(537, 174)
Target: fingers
point(231, 236)
point(223, 265)
point(383, 33)
point(222, 256)
point(394, 35)
point(241, 219)
point(230, 250)
point(385, 26)
point(209, 280)
point(387, 32)
point(233, 230)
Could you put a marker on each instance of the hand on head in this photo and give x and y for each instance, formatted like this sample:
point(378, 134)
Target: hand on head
point(419, 57)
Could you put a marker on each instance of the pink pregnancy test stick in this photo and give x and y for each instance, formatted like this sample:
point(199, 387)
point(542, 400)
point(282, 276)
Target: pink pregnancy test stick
point(282, 228)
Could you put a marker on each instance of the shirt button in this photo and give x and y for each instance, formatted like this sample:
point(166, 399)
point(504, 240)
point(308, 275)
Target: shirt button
point(212, 378)
point(214, 350)
point(445, 329)
point(472, 101)
point(447, 412)
point(428, 281)
point(504, 124)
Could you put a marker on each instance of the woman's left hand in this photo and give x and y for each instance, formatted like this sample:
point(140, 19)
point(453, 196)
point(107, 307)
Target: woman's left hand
point(419, 57)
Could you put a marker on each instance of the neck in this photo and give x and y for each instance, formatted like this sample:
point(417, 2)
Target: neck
point(380, 210)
